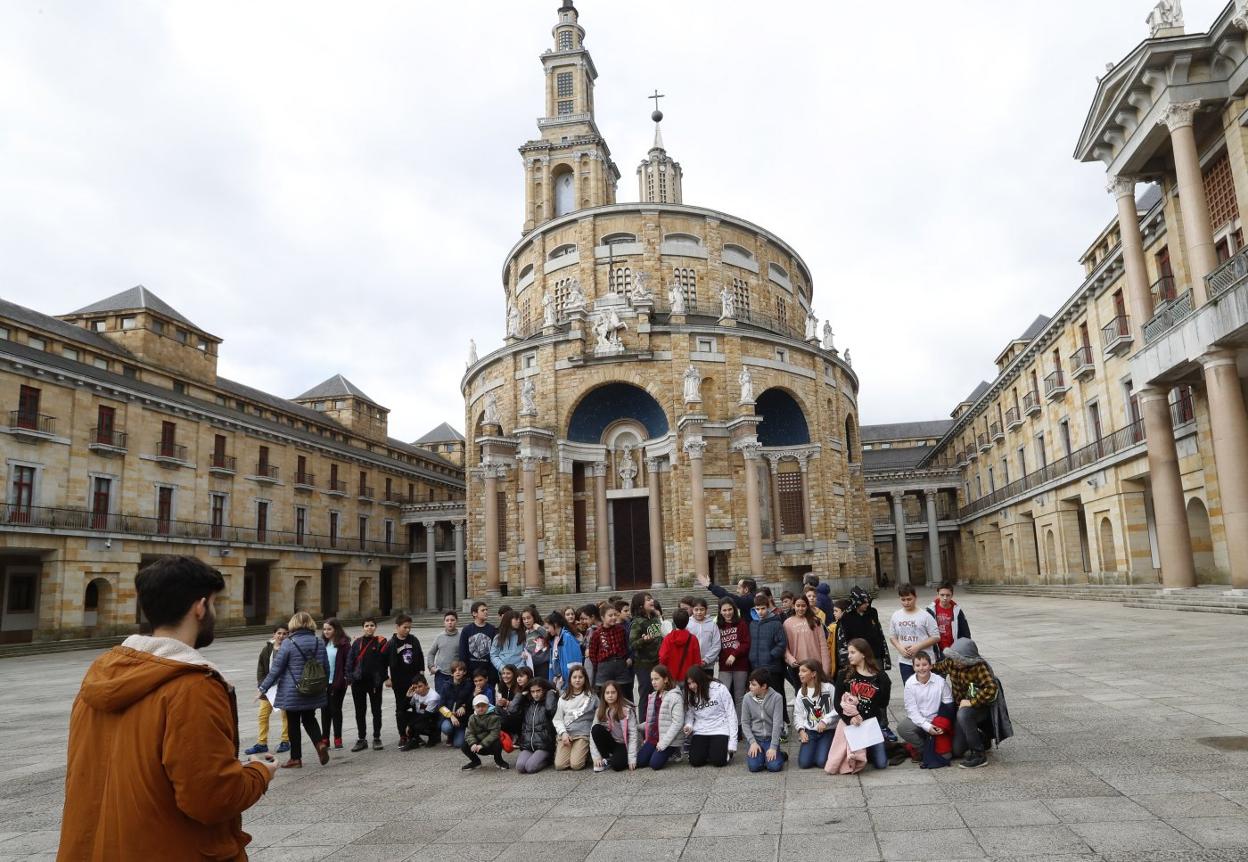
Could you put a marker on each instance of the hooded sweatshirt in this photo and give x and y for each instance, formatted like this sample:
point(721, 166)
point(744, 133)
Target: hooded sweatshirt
point(153, 768)
point(679, 652)
point(970, 676)
point(709, 642)
point(763, 720)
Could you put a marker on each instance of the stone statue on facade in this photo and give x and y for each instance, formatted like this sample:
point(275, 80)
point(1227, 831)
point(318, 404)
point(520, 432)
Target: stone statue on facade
point(472, 352)
point(693, 385)
point(607, 326)
point(1166, 15)
point(575, 300)
point(812, 326)
point(676, 295)
point(489, 416)
point(849, 360)
point(728, 303)
point(548, 310)
point(747, 385)
point(513, 321)
point(827, 336)
point(628, 467)
point(641, 292)
point(528, 402)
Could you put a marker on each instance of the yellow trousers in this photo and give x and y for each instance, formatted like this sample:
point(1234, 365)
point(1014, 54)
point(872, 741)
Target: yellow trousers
point(266, 710)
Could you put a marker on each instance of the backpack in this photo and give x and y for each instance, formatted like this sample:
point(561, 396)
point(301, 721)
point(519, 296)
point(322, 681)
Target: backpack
point(312, 680)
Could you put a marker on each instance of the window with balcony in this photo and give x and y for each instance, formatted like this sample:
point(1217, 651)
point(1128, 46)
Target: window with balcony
point(363, 525)
point(168, 440)
point(164, 510)
point(389, 533)
point(262, 521)
point(1064, 435)
point(301, 524)
point(105, 421)
point(1042, 457)
point(333, 529)
point(27, 413)
point(22, 495)
point(101, 502)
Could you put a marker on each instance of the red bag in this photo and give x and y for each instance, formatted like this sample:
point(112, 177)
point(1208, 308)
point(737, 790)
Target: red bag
point(943, 743)
point(505, 739)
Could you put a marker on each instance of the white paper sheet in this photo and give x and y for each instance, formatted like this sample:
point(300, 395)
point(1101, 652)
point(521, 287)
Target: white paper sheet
point(864, 735)
point(271, 696)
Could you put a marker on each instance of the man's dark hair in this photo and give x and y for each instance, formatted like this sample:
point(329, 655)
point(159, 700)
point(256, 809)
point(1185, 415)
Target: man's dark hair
point(171, 585)
point(400, 619)
point(842, 604)
point(450, 612)
point(504, 609)
point(787, 594)
point(680, 618)
point(614, 600)
point(906, 590)
point(810, 579)
point(478, 604)
point(621, 606)
point(368, 620)
point(946, 585)
point(750, 584)
point(590, 610)
point(761, 675)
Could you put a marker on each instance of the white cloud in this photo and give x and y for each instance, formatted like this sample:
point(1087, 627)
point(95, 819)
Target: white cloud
point(333, 188)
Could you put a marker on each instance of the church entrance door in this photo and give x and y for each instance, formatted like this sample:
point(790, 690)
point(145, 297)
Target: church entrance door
point(632, 543)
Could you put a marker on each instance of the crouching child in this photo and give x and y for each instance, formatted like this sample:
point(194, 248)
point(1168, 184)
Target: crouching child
point(482, 735)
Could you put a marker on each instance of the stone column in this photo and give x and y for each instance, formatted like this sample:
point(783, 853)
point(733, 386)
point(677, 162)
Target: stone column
point(431, 566)
point(1202, 259)
point(806, 516)
point(753, 509)
point(695, 448)
point(773, 488)
point(658, 578)
point(1139, 300)
point(1174, 542)
point(461, 571)
point(532, 566)
point(899, 539)
point(601, 540)
point(492, 577)
point(1229, 425)
point(933, 540)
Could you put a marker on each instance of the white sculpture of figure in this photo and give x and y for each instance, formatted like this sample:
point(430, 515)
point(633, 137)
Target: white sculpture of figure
point(607, 325)
point(747, 385)
point(576, 299)
point(849, 360)
point(641, 293)
point(548, 310)
point(677, 297)
point(472, 352)
point(528, 404)
point(513, 321)
point(812, 326)
point(728, 303)
point(827, 335)
point(1166, 15)
point(628, 467)
point(489, 416)
point(693, 385)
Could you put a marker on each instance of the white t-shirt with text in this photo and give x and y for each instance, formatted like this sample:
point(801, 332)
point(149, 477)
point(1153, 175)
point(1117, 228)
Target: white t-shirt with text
point(911, 628)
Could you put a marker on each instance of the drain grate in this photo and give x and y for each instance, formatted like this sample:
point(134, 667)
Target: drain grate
point(1225, 743)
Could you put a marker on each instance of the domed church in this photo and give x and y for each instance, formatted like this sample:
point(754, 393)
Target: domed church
point(665, 404)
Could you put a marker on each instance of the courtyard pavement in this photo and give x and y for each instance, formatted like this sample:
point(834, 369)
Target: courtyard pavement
point(1130, 732)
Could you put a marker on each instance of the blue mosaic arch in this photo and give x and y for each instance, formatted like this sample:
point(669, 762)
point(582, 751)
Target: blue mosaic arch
point(784, 423)
point(611, 402)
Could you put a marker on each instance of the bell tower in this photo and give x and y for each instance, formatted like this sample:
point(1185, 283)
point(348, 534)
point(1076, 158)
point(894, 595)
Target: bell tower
point(569, 166)
point(659, 176)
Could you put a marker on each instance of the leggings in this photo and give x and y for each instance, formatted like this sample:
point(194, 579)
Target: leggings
point(364, 695)
point(332, 713)
point(655, 758)
point(614, 752)
point(528, 762)
point(737, 682)
point(307, 719)
point(708, 749)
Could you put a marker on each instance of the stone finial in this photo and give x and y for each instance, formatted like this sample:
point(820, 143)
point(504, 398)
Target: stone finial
point(1179, 114)
point(1166, 15)
point(472, 352)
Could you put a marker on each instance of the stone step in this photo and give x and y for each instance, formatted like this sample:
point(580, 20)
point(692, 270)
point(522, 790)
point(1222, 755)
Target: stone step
point(1196, 600)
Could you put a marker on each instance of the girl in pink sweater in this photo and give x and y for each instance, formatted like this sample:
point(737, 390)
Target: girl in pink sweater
point(806, 640)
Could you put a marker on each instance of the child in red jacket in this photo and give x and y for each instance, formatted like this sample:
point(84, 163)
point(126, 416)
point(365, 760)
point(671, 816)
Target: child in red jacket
point(679, 650)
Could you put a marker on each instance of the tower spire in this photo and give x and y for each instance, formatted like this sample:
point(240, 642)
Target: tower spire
point(658, 176)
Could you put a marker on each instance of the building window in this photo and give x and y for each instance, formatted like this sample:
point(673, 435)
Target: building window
point(130, 322)
point(129, 371)
point(741, 293)
point(301, 524)
point(37, 343)
point(792, 508)
point(179, 387)
point(992, 482)
point(21, 598)
point(1022, 461)
point(217, 508)
point(106, 418)
point(333, 529)
point(687, 280)
point(168, 433)
point(389, 528)
point(782, 311)
point(565, 40)
point(164, 510)
point(620, 281)
point(563, 85)
point(99, 362)
point(565, 107)
point(706, 345)
point(1041, 457)
point(1220, 192)
point(23, 495)
point(1064, 430)
point(363, 531)
point(158, 327)
point(262, 521)
point(183, 335)
point(4, 333)
point(69, 353)
point(28, 407)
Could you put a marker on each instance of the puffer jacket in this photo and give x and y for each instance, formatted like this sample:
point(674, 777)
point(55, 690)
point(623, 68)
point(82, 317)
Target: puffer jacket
point(575, 715)
point(537, 730)
point(287, 667)
point(671, 714)
point(767, 643)
point(628, 728)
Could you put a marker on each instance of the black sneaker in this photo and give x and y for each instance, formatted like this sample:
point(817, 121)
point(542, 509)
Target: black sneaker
point(405, 746)
point(973, 760)
point(360, 745)
point(377, 746)
point(467, 767)
point(502, 764)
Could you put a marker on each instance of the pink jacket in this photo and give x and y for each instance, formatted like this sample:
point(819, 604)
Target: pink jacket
point(805, 643)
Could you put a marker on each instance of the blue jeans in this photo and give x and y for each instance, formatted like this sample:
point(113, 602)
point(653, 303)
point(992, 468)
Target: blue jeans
point(453, 734)
point(877, 756)
point(906, 671)
point(759, 761)
point(814, 752)
point(655, 758)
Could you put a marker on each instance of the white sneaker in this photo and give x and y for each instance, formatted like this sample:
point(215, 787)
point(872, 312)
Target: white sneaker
point(599, 768)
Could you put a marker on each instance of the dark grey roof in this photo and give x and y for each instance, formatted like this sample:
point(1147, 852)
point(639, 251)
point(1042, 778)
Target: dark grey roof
point(136, 297)
point(444, 433)
point(1034, 329)
point(900, 458)
point(1149, 199)
point(335, 387)
point(905, 430)
point(979, 390)
point(60, 328)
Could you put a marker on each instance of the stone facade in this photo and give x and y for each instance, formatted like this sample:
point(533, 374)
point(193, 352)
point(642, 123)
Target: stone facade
point(125, 446)
point(609, 440)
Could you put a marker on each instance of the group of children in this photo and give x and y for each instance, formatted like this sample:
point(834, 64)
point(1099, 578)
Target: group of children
point(619, 686)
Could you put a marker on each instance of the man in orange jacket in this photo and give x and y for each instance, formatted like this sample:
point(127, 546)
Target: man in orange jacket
point(153, 770)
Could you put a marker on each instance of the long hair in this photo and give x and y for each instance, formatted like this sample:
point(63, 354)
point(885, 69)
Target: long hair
point(572, 672)
point(639, 606)
point(664, 674)
point(621, 707)
point(809, 616)
point(340, 635)
point(702, 682)
point(508, 624)
point(719, 618)
point(820, 678)
point(869, 662)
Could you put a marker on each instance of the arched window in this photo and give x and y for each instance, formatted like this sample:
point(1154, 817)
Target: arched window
point(851, 440)
point(524, 273)
point(618, 238)
point(740, 251)
point(620, 281)
point(777, 271)
point(565, 193)
point(682, 239)
point(687, 279)
point(560, 251)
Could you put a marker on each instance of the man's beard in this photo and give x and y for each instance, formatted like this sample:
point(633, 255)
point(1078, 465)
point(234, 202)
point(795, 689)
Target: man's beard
point(207, 631)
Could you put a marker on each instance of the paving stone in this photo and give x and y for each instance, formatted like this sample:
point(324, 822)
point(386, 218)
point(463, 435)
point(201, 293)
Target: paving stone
point(1130, 836)
point(559, 828)
point(738, 823)
point(829, 821)
point(528, 851)
point(650, 826)
point(1000, 841)
point(756, 848)
point(1214, 832)
point(933, 844)
point(848, 847)
point(899, 819)
point(634, 849)
point(1098, 809)
point(1169, 806)
point(1006, 813)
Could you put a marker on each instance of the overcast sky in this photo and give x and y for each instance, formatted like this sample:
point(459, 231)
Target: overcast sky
point(332, 187)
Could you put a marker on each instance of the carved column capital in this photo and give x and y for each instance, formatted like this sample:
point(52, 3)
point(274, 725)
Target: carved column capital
point(529, 462)
point(1120, 186)
point(694, 447)
point(1179, 114)
point(598, 469)
point(750, 449)
point(653, 464)
point(428, 525)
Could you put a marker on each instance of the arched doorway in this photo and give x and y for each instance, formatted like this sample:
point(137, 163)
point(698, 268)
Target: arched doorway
point(1202, 537)
point(1051, 566)
point(365, 605)
point(301, 596)
point(98, 605)
point(1109, 552)
point(784, 422)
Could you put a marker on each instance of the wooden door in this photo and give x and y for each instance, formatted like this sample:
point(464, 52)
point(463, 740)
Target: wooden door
point(632, 543)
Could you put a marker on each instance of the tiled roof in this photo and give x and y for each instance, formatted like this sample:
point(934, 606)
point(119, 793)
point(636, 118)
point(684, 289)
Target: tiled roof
point(1034, 329)
point(444, 433)
point(61, 329)
point(901, 458)
point(335, 387)
point(979, 390)
point(906, 430)
point(134, 298)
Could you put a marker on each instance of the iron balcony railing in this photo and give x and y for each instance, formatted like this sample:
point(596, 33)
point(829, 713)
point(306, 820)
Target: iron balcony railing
point(26, 420)
point(982, 439)
point(1168, 316)
point(1119, 441)
point(166, 449)
point(307, 480)
point(1116, 333)
point(1055, 384)
point(107, 437)
point(140, 525)
point(1182, 410)
point(336, 486)
point(994, 431)
point(1231, 273)
point(1162, 290)
point(365, 492)
point(1012, 418)
point(223, 462)
point(266, 471)
point(1081, 361)
point(1031, 402)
